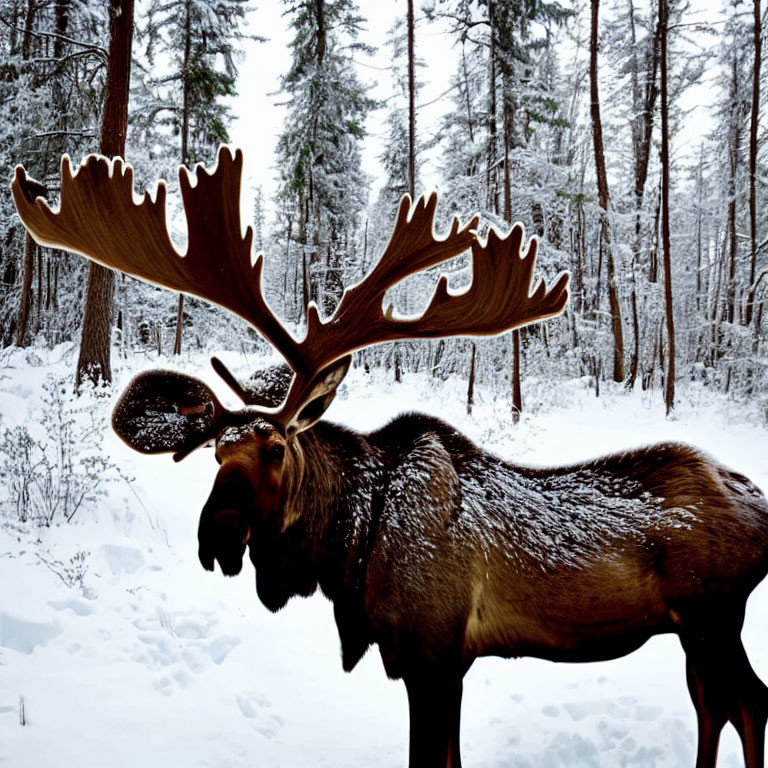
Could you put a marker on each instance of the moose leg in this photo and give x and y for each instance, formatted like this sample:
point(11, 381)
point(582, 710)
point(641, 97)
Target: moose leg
point(724, 687)
point(434, 704)
point(454, 747)
point(751, 711)
point(709, 714)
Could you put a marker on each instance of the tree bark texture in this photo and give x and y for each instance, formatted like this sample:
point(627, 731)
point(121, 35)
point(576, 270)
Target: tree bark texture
point(29, 23)
point(185, 158)
point(95, 347)
point(321, 31)
point(517, 386)
point(734, 151)
point(644, 103)
point(517, 391)
point(604, 200)
point(644, 96)
point(30, 247)
point(411, 104)
point(22, 324)
point(669, 388)
point(471, 382)
point(491, 168)
point(753, 128)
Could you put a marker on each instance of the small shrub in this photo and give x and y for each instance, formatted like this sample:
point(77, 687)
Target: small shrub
point(72, 573)
point(54, 466)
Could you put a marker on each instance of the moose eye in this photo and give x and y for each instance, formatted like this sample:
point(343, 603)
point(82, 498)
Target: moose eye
point(276, 452)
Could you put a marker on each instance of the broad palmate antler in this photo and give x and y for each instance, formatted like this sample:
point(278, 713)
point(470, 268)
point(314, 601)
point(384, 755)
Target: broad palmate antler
point(100, 219)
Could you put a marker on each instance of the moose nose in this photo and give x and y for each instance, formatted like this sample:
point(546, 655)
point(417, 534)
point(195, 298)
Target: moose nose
point(222, 537)
point(224, 531)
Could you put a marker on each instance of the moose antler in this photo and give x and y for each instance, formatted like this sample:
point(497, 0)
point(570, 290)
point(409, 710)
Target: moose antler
point(100, 219)
point(498, 299)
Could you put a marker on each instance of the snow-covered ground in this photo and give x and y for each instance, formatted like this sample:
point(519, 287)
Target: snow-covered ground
point(122, 651)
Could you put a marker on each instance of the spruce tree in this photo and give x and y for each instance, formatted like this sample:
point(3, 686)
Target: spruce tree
point(319, 150)
point(51, 83)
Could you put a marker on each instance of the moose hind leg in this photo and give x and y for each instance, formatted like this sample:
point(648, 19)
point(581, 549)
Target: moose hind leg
point(709, 715)
point(751, 711)
point(724, 687)
point(434, 704)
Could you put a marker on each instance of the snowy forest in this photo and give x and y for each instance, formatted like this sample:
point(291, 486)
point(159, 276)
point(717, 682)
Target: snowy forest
point(627, 136)
point(577, 120)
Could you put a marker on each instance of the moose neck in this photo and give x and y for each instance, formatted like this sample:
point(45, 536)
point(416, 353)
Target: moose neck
point(334, 504)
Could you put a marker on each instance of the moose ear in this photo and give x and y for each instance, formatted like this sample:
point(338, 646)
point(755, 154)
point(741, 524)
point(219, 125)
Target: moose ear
point(320, 395)
point(165, 411)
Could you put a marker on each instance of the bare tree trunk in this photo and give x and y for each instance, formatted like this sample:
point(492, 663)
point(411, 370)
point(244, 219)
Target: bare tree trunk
point(411, 105)
point(517, 391)
point(644, 101)
point(471, 383)
point(467, 100)
point(507, 130)
point(753, 126)
point(94, 361)
point(30, 247)
point(22, 323)
point(699, 241)
point(306, 285)
point(517, 387)
point(642, 124)
point(29, 22)
point(39, 302)
point(13, 41)
point(734, 151)
point(669, 390)
point(321, 31)
point(491, 170)
point(578, 250)
point(635, 360)
point(604, 199)
point(185, 158)
point(179, 325)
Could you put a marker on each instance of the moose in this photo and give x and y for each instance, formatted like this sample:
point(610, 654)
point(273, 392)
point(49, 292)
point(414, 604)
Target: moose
point(428, 546)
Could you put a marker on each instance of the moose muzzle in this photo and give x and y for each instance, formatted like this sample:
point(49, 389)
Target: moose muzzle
point(225, 523)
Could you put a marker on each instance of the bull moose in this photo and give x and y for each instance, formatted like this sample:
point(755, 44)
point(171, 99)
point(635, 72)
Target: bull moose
point(429, 547)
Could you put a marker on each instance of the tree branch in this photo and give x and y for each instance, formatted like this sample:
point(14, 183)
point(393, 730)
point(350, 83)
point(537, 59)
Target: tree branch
point(81, 134)
point(97, 49)
point(63, 59)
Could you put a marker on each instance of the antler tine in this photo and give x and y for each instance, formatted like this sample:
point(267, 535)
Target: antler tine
point(501, 295)
point(99, 219)
point(499, 298)
point(413, 246)
point(359, 320)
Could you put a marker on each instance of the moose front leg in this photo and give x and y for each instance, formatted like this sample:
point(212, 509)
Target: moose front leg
point(434, 704)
